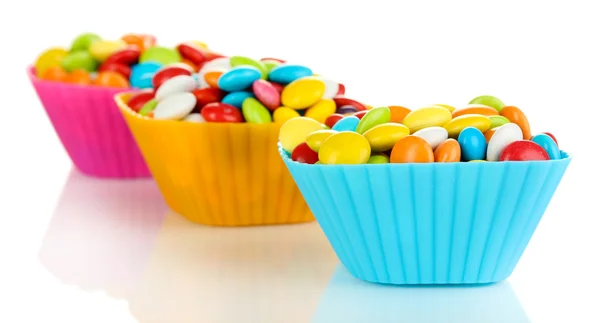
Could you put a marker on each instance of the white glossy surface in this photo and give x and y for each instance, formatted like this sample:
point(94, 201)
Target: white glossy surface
point(79, 250)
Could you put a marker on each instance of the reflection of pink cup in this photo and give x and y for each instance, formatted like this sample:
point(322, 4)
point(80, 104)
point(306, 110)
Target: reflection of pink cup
point(91, 128)
point(102, 232)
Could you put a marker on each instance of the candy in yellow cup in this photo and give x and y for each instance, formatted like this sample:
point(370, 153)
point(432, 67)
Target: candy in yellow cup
point(224, 174)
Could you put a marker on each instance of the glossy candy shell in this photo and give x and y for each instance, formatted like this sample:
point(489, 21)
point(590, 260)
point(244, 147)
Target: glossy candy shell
point(91, 129)
point(436, 223)
point(221, 174)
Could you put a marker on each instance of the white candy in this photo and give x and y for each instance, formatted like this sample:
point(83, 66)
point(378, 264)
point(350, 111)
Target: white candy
point(433, 135)
point(194, 117)
point(504, 135)
point(176, 84)
point(217, 64)
point(175, 107)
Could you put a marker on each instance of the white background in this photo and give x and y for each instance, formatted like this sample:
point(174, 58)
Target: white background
point(77, 258)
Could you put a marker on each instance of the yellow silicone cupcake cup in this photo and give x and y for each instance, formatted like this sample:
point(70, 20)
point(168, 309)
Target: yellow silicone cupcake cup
point(222, 174)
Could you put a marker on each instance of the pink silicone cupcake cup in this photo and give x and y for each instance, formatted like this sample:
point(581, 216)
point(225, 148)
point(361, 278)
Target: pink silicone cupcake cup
point(91, 128)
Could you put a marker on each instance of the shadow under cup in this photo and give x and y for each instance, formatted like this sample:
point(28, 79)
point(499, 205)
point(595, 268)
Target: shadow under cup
point(91, 128)
point(434, 223)
point(222, 174)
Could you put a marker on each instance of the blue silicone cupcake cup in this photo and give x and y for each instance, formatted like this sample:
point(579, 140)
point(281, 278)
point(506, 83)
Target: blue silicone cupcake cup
point(433, 223)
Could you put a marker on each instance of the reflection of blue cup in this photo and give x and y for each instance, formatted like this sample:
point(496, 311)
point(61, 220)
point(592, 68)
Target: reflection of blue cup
point(102, 232)
point(348, 300)
point(434, 223)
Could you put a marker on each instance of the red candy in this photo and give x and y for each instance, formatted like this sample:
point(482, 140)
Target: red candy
point(303, 154)
point(168, 72)
point(137, 101)
point(207, 95)
point(551, 136)
point(341, 89)
point(360, 114)
point(333, 119)
point(523, 150)
point(122, 69)
point(128, 56)
point(277, 87)
point(221, 112)
point(272, 59)
point(341, 101)
point(192, 53)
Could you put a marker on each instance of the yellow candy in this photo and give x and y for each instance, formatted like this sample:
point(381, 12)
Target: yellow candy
point(294, 132)
point(302, 93)
point(430, 116)
point(456, 125)
point(283, 114)
point(102, 49)
point(50, 58)
point(449, 107)
point(321, 110)
point(315, 139)
point(199, 44)
point(345, 147)
point(384, 136)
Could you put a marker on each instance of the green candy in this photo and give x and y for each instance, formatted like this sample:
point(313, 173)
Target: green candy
point(269, 65)
point(255, 112)
point(490, 101)
point(161, 55)
point(497, 121)
point(80, 59)
point(374, 117)
point(378, 159)
point(83, 41)
point(148, 107)
point(242, 60)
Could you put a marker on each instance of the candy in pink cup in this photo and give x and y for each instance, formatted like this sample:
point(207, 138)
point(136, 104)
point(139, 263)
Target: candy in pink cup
point(91, 128)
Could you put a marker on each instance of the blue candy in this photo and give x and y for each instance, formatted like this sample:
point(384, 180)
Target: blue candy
point(548, 144)
point(239, 78)
point(142, 74)
point(472, 143)
point(348, 123)
point(237, 98)
point(285, 74)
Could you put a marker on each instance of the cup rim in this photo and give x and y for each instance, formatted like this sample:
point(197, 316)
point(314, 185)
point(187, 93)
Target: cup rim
point(35, 79)
point(565, 158)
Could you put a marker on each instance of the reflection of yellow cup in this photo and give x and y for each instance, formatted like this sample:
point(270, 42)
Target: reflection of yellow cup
point(227, 174)
point(102, 232)
point(349, 300)
point(256, 274)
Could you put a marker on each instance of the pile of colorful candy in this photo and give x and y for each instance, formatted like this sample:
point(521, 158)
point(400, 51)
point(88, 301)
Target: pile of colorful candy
point(241, 89)
point(130, 61)
point(484, 130)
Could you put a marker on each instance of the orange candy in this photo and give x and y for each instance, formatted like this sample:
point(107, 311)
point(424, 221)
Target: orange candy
point(111, 79)
point(447, 152)
point(212, 78)
point(515, 115)
point(79, 76)
point(55, 73)
point(398, 113)
point(475, 109)
point(488, 134)
point(143, 42)
point(412, 149)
